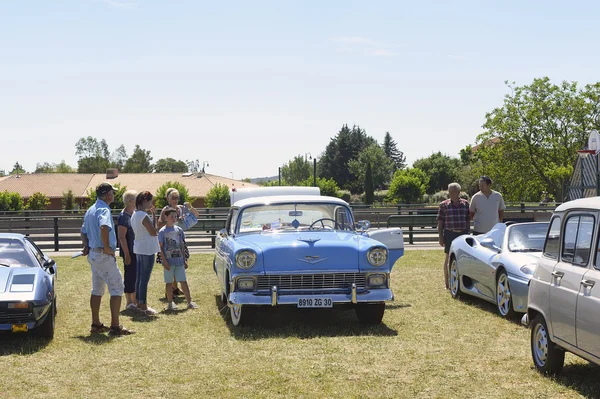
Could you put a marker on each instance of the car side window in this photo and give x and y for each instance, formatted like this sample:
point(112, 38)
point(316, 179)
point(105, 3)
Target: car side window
point(36, 253)
point(552, 244)
point(233, 221)
point(577, 239)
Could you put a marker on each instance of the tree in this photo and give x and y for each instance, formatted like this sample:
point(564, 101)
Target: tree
point(441, 169)
point(381, 167)
point(369, 190)
point(38, 202)
point(118, 201)
point(68, 200)
point(530, 143)
point(466, 155)
point(139, 162)
point(345, 146)
point(160, 197)
point(93, 155)
point(2, 173)
point(391, 151)
point(296, 170)
point(118, 157)
point(193, 166)
point(327, 187)
point(170, 165)
point(408, 186)
point(217, 196)
point(17, 169)
point(48, 167)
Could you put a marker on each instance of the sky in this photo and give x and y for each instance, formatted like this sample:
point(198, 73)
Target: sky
point(245, 86)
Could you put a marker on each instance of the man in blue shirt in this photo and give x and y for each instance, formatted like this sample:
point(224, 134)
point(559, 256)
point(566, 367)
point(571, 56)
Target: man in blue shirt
point(99, 244)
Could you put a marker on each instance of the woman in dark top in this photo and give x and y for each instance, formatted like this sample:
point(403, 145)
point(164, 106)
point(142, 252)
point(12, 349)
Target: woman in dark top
point(126, 236)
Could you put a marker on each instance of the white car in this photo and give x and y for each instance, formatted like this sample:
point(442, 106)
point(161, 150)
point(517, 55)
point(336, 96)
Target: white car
point(564, 292)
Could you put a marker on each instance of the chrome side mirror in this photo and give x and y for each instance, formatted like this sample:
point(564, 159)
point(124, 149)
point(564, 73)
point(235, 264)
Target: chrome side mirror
point(363, 225)
point(223, 233)
point(489, 244)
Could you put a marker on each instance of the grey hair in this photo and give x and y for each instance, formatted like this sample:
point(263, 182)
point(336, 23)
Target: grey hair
point(170, 192)
point(454, 186)
point(129, 195)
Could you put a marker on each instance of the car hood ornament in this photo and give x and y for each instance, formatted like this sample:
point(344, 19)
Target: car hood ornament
point(314, 259)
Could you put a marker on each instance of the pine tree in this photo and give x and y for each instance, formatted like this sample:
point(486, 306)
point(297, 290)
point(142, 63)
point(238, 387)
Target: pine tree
point(391, 151)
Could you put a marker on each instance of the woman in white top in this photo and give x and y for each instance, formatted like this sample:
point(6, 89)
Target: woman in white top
point(145, 247)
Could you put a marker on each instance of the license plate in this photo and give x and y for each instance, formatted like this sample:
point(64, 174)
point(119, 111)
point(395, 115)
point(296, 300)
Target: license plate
point(315, 303)
point(19, 328)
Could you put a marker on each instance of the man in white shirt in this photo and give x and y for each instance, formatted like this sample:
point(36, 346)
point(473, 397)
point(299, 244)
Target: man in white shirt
point(486, 208)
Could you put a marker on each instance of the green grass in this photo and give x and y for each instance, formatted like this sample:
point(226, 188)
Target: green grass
point(428, 345)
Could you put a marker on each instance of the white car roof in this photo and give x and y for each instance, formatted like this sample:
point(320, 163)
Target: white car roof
point(286, 199)
point(582, 203)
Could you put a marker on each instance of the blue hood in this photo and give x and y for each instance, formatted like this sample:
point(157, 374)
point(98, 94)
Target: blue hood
point(307, 251)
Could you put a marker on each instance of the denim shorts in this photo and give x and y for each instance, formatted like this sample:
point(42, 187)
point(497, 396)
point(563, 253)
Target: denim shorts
point(176, 271)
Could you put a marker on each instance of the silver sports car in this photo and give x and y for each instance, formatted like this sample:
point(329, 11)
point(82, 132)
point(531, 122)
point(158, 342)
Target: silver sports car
point(498, 265)
point(27, 296)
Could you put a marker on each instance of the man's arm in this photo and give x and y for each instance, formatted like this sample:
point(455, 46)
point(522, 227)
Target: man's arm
point(500, 215)
point(122, 230)
point(104, 231)
point(441, 231)
point(86, 243)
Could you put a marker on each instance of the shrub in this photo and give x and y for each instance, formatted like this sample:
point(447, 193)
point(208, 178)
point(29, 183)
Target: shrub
point(38, 202)
point(68, 200)
point(443, 195)
point(380, 196)
point(218, 196)
point(10, 201)
point(344, 194)
point(355, 199)
point(326, 186)
point(407, 187)
point(160, 197)
point(117, 203)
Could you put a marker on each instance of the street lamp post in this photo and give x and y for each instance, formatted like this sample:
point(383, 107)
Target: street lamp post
point(204, 164)
point(314, 172)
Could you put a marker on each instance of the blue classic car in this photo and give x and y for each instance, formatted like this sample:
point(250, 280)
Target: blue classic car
point(27, 296)
point(303, 251)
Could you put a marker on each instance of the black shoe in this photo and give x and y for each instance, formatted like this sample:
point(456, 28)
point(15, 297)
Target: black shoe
point(177, 292)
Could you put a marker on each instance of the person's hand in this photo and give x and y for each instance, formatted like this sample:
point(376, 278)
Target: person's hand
point(187, 205)
point(185, 264)
point(441, 242)
point(152, 209)
point(127, 260)
point(108, 251)
point(85, 251)
point(166, 264)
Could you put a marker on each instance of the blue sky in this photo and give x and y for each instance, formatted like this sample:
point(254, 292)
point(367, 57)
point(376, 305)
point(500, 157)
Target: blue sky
point(248, 85)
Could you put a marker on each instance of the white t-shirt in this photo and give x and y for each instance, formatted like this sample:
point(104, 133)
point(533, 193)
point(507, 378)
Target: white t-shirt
point(143, 243)
point(486, 210)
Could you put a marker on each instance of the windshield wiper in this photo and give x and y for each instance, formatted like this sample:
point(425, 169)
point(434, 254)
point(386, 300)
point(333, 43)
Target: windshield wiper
point(526, 250)
point(4, 264)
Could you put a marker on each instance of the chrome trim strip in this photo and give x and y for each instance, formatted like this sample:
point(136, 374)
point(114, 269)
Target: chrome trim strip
point(274, 295)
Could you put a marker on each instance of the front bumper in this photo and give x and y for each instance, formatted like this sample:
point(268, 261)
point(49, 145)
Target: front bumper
point(275, 298)
point(519, 289)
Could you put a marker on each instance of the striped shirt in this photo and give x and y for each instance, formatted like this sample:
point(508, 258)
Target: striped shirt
point(454, 216)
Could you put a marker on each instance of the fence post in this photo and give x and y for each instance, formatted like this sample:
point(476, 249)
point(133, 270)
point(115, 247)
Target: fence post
point(522, 207)
point(56, 234)
point(213, 239)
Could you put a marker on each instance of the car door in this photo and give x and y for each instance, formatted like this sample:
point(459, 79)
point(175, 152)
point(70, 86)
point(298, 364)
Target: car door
point(566, 277)
point(588, 310)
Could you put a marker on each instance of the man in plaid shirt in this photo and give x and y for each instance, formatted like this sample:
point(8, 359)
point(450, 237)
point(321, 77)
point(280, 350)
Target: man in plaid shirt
point(453, 221)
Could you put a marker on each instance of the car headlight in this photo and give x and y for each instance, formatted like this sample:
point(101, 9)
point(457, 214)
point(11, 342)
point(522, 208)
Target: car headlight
point(376, 280)
point(245, 284)
point(529, 269)
point(377, 256)
point(245, 259)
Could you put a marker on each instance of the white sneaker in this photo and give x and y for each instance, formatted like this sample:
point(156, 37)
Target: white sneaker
point(192, 305)
point(131, 306)
point(171, 306)
point(150, 312)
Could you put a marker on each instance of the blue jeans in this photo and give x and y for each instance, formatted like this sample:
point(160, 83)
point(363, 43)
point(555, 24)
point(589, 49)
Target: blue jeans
point(144, 263)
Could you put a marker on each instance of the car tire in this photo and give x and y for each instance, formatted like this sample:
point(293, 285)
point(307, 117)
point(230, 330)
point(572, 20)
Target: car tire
point(46, 329)
point(504, 302)
point(370, 313)
point(241, 314)
point(454, 279)
point(547, 357)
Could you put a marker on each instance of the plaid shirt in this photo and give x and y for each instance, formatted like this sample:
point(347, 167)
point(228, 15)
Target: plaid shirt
point(454, 216)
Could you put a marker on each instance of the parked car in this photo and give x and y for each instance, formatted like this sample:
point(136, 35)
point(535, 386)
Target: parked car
point(303, 251)
point(564, 293)
point(498, 265)
point(27, 278)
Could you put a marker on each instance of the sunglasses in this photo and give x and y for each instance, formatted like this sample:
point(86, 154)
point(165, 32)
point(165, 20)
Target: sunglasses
point(174, 196)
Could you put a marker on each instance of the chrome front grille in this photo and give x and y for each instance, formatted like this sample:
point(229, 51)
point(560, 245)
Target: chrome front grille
point(312, 282)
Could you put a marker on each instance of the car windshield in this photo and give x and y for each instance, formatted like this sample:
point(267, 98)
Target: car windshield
point(527, 237)
point(294, 217)
point(14, 254)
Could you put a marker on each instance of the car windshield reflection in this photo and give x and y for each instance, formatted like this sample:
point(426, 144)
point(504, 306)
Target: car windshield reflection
point(527, 237)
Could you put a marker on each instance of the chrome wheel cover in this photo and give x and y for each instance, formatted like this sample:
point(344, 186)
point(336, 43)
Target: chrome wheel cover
point(453, 278)
point(503, 295)
point(236, 314)
point(539, 345)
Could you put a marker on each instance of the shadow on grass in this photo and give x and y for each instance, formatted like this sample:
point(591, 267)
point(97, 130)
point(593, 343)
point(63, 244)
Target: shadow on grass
point(490, 308)
point(95, 339)
point(582, 378)
point(397, 306)
point(288, 321)
point(21, 344)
